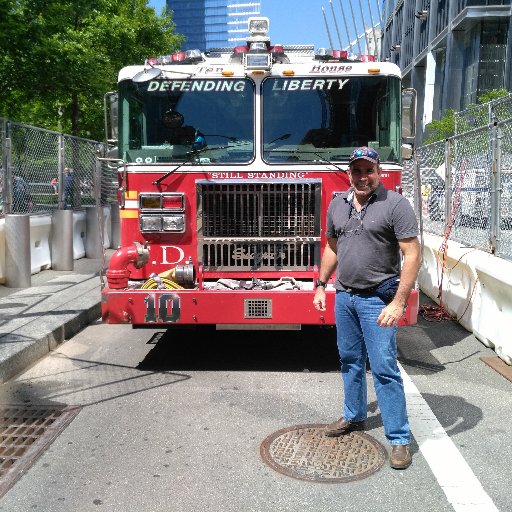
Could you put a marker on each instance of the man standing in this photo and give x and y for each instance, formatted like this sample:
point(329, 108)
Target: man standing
point(69, 187)
point(21, 198)
point(368, 228)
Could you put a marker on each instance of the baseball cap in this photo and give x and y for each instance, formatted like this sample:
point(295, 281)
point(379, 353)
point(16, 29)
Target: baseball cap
point(365, 153)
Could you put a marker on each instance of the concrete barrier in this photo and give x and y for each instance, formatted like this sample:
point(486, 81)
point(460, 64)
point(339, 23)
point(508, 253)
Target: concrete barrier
point(476, 289)
point(40, 258)
point(40, 230)
point(40, 240)
point(494, 322)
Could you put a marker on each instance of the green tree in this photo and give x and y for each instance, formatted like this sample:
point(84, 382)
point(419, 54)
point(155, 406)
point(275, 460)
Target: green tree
point(59, 57)
point(493, 94)
point(441, 129)
point(445, 127)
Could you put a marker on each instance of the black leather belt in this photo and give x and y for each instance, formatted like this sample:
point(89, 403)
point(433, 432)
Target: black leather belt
point(361, 291)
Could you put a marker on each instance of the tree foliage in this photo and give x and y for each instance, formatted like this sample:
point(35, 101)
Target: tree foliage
point(442, 128)
point(445, 127)
point(493, 94)
point(59, 57)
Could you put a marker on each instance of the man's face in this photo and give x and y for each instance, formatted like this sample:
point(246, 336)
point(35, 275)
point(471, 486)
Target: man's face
point(364, 177)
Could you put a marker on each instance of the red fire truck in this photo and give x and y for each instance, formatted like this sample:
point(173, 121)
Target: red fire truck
point(227, 162)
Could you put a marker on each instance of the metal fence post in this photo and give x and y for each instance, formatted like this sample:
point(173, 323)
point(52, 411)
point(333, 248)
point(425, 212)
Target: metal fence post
point(60, 185)
point(8, 170)
point(418, 199)
point(448, 159)
point(495, 184)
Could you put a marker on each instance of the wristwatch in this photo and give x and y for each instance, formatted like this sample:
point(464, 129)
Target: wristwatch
point(320, 283)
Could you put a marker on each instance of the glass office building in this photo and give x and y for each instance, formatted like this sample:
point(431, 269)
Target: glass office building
point(451, 52)
point(212, 23)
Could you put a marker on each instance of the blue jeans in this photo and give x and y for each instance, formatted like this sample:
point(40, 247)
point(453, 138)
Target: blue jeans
point(358, 334)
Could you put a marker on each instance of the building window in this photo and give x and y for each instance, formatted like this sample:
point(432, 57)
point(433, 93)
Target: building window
point(486, 55)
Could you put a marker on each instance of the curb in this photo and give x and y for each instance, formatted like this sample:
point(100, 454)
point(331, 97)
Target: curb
point(23, 345)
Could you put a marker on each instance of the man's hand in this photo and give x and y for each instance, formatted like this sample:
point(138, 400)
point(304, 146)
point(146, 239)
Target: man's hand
point(390, 315)
point(327, 266)
point(411, 251)
point(319, 299)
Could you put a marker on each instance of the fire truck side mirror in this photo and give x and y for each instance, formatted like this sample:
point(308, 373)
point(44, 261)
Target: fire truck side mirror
point(113, 116)
point(407, 151)
point(110, 102)
point(408, 116)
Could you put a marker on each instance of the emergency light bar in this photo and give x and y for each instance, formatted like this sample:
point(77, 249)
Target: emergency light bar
point(182, 57)
point(326, 54)
point(258, 56)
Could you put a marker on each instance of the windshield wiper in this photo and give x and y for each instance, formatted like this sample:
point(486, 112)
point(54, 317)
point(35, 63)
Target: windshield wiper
point(190, 160)
point(326, 160)
point(308, 152)
point(193, 154)
point(285, 136)
point(229, 137)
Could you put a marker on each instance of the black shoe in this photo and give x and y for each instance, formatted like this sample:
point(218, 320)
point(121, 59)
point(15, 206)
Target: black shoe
point(342, 427)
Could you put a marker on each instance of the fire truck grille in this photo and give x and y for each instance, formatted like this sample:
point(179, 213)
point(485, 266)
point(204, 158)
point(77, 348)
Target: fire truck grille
point(260, 209)
point(258, 256)
point(259, 226)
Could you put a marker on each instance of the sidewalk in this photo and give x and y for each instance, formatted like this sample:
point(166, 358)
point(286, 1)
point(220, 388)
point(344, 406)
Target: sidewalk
point(33, 321)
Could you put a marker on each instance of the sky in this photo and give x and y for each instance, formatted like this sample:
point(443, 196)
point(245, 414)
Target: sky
point(302, 21)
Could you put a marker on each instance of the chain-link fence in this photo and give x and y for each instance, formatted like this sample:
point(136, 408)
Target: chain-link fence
point(42, 170)
point(481, 116)
point(462, 187)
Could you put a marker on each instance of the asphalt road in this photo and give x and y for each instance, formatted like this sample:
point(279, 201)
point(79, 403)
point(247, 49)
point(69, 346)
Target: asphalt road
point(173, 421)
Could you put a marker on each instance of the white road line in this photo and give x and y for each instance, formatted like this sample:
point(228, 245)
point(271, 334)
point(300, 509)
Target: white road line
point(463, 490)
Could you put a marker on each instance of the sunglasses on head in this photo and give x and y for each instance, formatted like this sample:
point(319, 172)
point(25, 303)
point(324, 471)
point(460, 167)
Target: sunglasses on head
point(358, 153)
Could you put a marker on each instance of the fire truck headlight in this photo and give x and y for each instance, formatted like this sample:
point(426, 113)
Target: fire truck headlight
point(174, 223)
point(150, 223)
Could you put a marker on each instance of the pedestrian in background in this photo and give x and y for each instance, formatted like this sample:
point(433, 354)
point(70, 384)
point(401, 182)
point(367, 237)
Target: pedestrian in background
point(21, 197)
point(368, 227)
point(68, 188)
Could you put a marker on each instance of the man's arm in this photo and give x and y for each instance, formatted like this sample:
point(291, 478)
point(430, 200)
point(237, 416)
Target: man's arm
point(411, 251)
point(327, 266)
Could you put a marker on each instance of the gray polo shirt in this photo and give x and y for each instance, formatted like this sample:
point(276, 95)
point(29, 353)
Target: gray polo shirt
point(367, 241)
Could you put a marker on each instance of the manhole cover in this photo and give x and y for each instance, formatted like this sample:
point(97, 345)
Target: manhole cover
point(304, 452)
point(25, 433)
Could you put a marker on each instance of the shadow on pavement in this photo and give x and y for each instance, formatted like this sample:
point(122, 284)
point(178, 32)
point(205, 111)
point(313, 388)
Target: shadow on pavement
point(311, 349)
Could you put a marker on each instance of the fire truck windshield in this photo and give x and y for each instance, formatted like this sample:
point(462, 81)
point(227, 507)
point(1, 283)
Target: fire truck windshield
point(166, 120)
point(324, 118)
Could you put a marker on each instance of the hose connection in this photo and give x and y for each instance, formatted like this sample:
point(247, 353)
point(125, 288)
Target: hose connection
point(118, 273)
